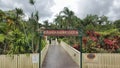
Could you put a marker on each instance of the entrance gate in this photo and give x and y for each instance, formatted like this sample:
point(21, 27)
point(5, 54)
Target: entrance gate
point(68, 32)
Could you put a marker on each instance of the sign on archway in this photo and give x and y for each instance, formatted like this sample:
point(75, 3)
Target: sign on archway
point(60, 32)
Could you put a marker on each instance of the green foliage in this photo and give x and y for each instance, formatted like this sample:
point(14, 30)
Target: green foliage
point(43, 43)
point(32, 2)
point(19, 36)
point(90, 47)
point(117, 23)
point(19, 11)
point(2, 37)
point(90, 27)
point(90, 19)
point(66, 19)
point(59, 40)
point(118, 50)
point(109, 32)
point(16, 35)
point(17, 42)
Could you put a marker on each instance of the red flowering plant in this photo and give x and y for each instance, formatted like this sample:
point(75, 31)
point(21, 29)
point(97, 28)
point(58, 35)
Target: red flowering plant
point(111, 44)
point(94, 42)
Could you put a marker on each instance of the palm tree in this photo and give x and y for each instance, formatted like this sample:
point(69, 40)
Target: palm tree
point(59, 22)
point(19, 12)
point(46, 24)
point(32, 2)
point(103, 19)
point(68, 15)
point(90, 19)
point(117, 24)
point(35, 26)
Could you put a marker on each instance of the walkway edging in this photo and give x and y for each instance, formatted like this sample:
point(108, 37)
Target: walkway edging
point(75, 55)
point(44, 52)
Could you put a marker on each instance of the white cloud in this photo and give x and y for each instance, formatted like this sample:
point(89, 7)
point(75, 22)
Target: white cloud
point(43, 6)
point(84, 7)
point(60, 4)
point(99, 7)
point(49, 8)
point(116, 3)
point(114, 12)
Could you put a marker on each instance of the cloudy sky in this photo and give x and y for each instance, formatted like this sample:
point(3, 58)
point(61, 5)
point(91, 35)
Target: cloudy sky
point(49, 8)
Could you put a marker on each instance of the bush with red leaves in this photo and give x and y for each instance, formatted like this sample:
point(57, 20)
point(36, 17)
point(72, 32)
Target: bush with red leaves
point(112, 44)
point(76, 46)
point(108, 42)
point(84, 40)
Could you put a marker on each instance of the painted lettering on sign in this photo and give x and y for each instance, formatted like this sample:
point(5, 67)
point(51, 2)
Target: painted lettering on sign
point(60, 32)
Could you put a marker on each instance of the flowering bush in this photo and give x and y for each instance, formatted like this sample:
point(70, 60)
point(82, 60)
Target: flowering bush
point(94, 42)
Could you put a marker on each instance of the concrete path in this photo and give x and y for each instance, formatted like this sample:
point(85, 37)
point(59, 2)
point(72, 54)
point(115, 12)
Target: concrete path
point(57, 57)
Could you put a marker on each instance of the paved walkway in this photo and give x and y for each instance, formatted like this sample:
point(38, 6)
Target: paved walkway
point(57, 57)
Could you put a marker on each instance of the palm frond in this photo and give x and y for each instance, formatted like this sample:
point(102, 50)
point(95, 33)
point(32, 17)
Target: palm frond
point(32, 2)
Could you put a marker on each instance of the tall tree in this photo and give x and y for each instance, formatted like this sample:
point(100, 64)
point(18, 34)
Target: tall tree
point(117, 24)
point(67, 19)
point(46, 24)
point(68, 15)
point(35, 26)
